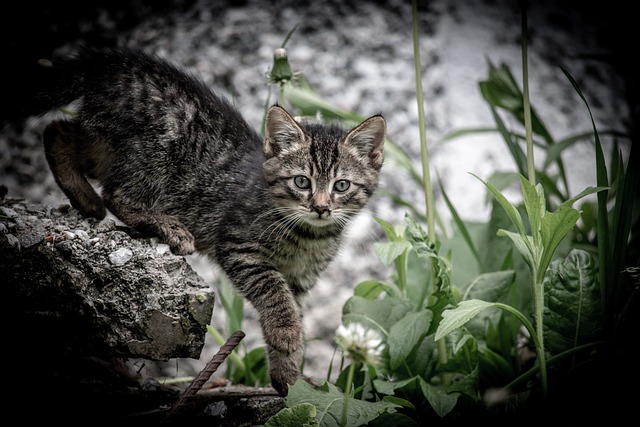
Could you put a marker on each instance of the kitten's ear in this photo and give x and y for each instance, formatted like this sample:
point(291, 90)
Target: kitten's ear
point(281, 131)
point(368, 138)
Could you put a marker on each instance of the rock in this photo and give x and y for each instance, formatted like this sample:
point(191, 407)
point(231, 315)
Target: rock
point(94, 299)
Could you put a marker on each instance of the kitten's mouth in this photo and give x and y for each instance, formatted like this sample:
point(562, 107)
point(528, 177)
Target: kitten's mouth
point(319, 219)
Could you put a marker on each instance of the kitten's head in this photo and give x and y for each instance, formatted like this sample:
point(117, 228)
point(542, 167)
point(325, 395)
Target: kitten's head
point(321, 174)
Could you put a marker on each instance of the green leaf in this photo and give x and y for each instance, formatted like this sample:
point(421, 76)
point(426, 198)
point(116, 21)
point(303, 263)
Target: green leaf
point(572, 309)
point(379, 314)
point(329, 401)
point(300, 415)
point(495, 286)
point(440, 400)
point(524, 245)
point(406, 334)
point(399, 401)
point(390, 387)
point(554, 228)
point(460, 224)
point(534, 202)
point(370, 289)
point(393, 233)
point(388, 252)
point(587, 191)
point(454, 318)
point(511, 210)
point(502, 90)
point(462, 361)
point(490, 286)
point(256, 372)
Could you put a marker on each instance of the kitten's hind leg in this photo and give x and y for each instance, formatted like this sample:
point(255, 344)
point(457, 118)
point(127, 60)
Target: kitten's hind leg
point(63, 142)
point(151, 223)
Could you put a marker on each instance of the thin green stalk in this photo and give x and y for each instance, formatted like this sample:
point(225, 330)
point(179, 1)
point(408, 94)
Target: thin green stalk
point(281, 98)
point(538, 288)
point(531, 171)
point(531, 373)
point(538, 297)
point(424, 155)
point(347, 393)
point(426, 177)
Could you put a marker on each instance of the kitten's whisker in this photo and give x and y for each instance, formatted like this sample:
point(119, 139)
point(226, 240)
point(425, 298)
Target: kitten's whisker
point(283, 225)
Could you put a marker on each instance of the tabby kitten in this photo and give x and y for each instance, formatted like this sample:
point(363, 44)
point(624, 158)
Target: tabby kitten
point(177, 161)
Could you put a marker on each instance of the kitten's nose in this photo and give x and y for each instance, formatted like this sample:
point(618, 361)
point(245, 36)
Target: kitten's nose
point(321, 209)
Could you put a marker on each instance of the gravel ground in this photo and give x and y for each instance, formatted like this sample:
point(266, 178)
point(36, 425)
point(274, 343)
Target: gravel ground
point(359, 57)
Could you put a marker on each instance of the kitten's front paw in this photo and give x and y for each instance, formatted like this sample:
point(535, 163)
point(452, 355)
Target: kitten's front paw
point(282, 379)
point(179, 239)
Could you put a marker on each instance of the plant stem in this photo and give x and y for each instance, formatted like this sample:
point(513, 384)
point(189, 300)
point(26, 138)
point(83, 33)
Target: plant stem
point(531, 373)
point(426, 177)
point(538, 287)
point(347, 393)
point(424, 155)
point(281, 97)
point(538, 297)
point(531, 171)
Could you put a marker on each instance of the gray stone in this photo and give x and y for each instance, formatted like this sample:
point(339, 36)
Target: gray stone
point(91, 300)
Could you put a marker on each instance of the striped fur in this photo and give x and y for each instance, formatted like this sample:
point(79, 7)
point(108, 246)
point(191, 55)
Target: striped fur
point(177, 161)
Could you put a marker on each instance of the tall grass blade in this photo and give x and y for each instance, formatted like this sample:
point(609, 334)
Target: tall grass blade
point(460, 224)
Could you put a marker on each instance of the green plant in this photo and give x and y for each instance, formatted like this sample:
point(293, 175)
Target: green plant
point(446, 351)
point(251, 367)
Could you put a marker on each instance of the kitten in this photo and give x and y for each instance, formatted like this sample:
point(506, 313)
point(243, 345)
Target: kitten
point(177, 161)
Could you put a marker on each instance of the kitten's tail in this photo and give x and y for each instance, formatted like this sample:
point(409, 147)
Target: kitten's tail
point(35, 87)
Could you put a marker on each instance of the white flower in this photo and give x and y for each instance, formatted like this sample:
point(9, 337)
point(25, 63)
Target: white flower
point(360, 343)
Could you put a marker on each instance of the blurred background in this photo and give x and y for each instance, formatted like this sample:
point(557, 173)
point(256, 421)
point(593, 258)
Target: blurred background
point(357, 56)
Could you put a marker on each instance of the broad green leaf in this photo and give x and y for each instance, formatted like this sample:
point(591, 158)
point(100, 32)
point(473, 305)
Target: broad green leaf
point(535, 204)
point(394, 233)
point(406, 334)
point(463, 360)
point(511, 210)
point(419, 279)
point(524, 245)
point(389, 387)
point(490, 286)
point(370, 289)
point(329, 401)
point(554, 228)
point(496, 287)
point(454, 318)
point(396, 420)
point(440, 400)
point(415, 233)
point(572, 310)
point(388, 252)
point(300, 415)
point(379, 314)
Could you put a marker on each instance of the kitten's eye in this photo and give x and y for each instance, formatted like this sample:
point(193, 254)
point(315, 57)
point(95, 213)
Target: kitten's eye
point(302, 182)
point(342, 185)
